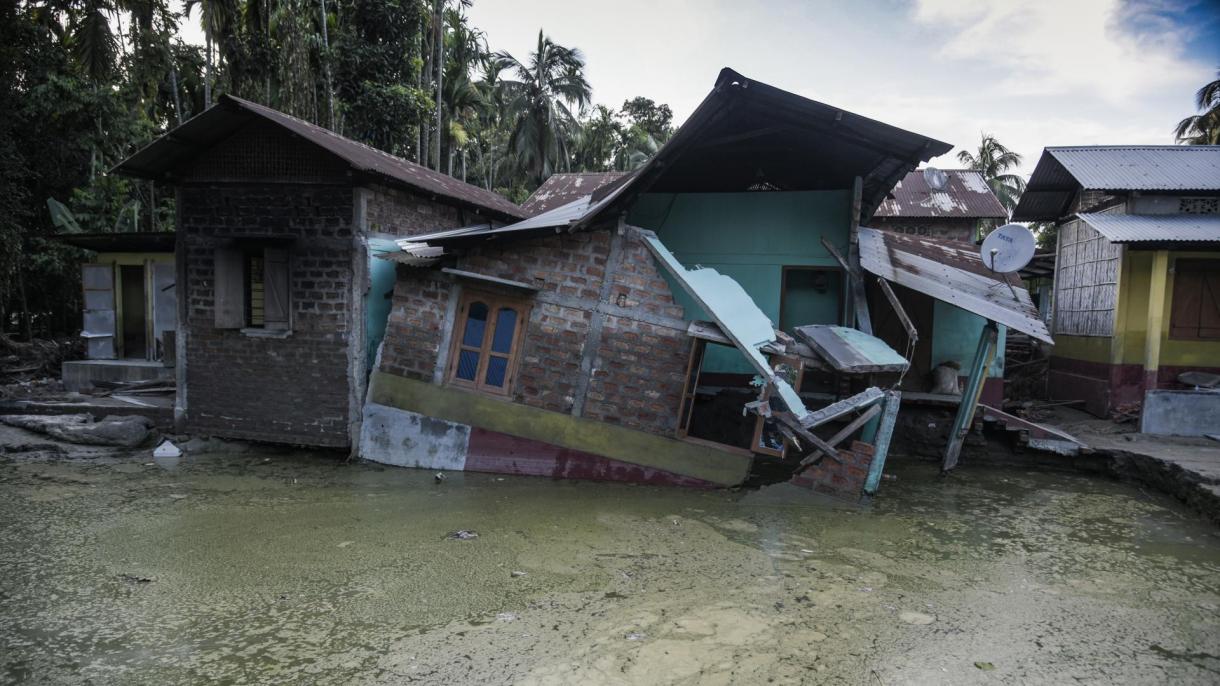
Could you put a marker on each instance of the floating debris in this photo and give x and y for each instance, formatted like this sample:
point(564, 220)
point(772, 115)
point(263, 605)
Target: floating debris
point(167, 449)
point(462, 535)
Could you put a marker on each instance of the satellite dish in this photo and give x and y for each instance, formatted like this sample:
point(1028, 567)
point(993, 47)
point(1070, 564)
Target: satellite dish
point(1008, 248)
point(935, 178)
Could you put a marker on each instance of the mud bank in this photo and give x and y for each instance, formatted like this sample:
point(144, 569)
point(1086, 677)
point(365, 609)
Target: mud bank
point(293, 567)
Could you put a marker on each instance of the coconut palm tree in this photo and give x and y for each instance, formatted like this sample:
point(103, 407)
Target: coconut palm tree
point(543, 95)
point(994, 161)
point(216, 18)
point(1202, 128)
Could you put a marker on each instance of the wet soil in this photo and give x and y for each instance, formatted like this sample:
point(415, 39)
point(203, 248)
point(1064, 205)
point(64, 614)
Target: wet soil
point(284, 567)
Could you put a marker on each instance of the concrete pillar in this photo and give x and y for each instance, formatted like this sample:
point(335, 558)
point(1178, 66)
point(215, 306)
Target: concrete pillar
point(1156, 317)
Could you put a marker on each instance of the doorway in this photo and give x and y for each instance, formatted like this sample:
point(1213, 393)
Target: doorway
point(134, 326)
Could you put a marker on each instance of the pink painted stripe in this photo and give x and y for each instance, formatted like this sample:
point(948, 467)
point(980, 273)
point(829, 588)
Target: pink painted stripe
point(492, 451)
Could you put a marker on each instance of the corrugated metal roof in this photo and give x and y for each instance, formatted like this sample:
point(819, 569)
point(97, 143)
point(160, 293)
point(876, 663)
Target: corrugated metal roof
point(954, 273)
point(1142, 167)
point(1062, 171)
point(1155, 228)
point(229, 114)
point(966, 195)
point(561, 189)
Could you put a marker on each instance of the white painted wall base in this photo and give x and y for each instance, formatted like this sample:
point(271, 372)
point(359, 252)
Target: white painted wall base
point(406, 439)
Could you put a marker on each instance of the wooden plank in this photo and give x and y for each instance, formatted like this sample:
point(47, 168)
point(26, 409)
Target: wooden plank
point(899, 310)
point(796, 425)
point(229, 291)
point(844, 433)
point(487, 278)
point(881, 443)
point(970, 396)
point(851, 351)
point(862, 399)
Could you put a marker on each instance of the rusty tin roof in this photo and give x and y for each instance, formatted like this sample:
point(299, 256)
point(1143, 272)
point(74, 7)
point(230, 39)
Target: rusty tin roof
point(561, 189)
point(965, 196)
point(185, 142)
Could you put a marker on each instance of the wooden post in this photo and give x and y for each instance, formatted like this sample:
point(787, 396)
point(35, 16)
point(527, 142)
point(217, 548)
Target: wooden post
point(859, 302)
point(883, 432)
point(970, 396)
point(1156, 318)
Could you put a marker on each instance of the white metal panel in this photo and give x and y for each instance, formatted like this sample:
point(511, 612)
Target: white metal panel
point(98, 321)
point(1155, 228)
point(987, 297)
point(164, 302)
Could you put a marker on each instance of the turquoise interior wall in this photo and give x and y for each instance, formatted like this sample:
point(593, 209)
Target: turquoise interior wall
point(956, 338)
point(749, 237)
point(376, 304)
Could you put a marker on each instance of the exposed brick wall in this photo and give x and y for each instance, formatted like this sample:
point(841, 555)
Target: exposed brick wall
point(403, 213)
point(415, 328)
point(295, 389)
point(638, 370)
point(842, 480)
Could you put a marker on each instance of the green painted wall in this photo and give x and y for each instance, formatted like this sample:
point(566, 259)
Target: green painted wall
point(377, 300)
point(749, 237)
point(955, 337)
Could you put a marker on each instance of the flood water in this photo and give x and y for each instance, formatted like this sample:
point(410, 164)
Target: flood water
point(294, 568)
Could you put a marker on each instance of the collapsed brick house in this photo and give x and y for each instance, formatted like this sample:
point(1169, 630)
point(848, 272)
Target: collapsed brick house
point(282, 307)
point(573, 343)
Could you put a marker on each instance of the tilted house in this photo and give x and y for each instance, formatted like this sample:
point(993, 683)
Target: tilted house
point(1137, 272)
point(281, 305)
point(574, 343)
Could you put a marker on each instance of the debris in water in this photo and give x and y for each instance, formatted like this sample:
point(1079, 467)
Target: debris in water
point(463, 535)
point(517, 575)
point(918, 618)
point(137, 579)
point(177, 496)
point(440, 476)
point(167, 449)
point(985, 666)
point(635, 636)
point(507, 617)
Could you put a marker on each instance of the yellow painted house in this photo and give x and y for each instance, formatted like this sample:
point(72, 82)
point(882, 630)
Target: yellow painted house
point(1137, 269)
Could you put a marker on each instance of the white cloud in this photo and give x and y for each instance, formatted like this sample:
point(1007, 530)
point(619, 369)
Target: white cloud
point(1100, 48)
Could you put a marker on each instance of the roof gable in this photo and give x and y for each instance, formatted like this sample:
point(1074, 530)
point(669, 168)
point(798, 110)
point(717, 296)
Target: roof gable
point(230, 114)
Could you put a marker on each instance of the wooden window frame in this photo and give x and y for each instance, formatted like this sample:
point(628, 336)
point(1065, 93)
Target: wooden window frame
point(495, 302)
point(1186, 331)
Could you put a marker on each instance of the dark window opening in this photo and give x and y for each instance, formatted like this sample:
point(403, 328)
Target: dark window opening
point(1195, 309)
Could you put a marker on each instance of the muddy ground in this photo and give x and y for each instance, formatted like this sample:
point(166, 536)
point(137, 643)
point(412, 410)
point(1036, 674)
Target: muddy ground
point(280, 567)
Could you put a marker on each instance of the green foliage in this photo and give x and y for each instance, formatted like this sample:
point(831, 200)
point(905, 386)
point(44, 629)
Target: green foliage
point(88, 82)
point(994, 160)
point(1202, 128)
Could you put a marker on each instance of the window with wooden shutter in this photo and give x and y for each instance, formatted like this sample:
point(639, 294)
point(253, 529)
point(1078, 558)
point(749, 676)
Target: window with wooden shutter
point(486, 342)
point(1195, 309)
point(252, 288)
point(229, 288)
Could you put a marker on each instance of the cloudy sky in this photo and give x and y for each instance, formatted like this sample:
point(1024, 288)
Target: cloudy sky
point(1032, 72)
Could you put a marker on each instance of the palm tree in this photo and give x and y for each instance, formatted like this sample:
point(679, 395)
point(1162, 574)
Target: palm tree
point(994, 160)
point(216, 17)
point(542, 98)
point(1202, 128)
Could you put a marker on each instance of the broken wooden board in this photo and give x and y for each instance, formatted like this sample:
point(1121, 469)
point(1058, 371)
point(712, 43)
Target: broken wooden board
point(858, 401)
point(851, 351)
point(710, 332)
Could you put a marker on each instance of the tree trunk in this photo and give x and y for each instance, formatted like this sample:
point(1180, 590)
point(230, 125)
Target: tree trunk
point(425, 147)
point(330, 91)
point(439, 41)
point(207, 71)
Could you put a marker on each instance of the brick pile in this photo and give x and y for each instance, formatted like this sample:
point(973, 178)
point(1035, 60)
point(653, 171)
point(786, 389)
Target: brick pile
point(842, 480)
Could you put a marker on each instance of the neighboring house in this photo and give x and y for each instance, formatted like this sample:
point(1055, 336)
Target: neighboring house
point(1137, 271)
point(563, 188)
point(572, 344)
point(279, 300)
point(130, 306)
point(961, 209)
